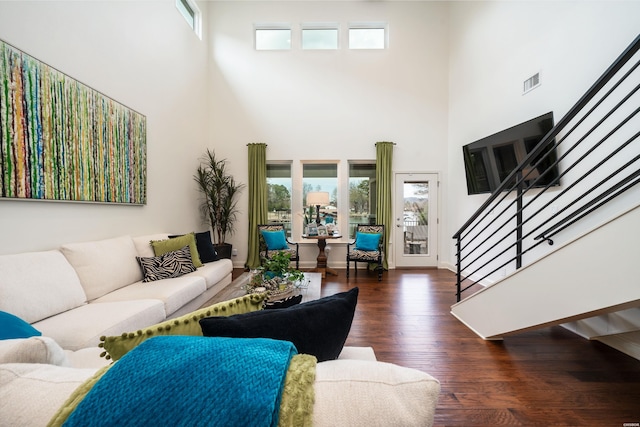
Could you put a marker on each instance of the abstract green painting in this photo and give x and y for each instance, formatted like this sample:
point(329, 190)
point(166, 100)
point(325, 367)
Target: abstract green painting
point(62, 140)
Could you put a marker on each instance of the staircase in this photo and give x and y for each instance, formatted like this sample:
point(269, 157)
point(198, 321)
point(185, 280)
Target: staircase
point(533, 298)
point(568, 254)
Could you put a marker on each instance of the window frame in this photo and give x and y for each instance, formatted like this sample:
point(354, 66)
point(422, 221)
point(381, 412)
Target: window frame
point(301, 202)
point(329, 26)
point(272, 27)
point(289, 230)
point(368, 26)
point(191, 13)
point(342, 194)
point(372, 189)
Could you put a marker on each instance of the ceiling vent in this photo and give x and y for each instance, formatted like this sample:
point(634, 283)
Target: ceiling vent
point(531, 83)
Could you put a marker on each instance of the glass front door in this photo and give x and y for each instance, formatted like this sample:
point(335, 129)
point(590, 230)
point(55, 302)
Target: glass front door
point(415, 237)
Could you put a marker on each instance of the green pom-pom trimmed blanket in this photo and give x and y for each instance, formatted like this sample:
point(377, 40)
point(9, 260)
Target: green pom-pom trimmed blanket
point(198, 381)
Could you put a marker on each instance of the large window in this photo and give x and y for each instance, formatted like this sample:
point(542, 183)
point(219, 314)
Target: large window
point(279, 194)
point(349, 189)
point(321, 177)
point(362, 194)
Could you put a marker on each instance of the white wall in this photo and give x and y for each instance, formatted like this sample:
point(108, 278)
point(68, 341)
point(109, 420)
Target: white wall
point(331, 105)
point(452, 75)
point(495, 46)
point(144, 55)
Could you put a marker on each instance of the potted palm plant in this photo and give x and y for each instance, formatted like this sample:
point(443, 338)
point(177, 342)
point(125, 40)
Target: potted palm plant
point(219, 203)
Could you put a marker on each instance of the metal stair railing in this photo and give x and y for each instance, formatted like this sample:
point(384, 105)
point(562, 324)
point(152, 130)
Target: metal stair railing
point(598, 149)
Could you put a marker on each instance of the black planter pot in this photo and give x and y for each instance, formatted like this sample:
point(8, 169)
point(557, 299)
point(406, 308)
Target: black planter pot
point(223, 250)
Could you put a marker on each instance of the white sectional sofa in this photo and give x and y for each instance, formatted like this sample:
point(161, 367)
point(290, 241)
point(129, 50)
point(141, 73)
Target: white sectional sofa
point(82, 291)
point(353, 391)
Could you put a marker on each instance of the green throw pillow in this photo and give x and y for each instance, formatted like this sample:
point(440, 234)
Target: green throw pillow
point(117, 346)
point(161, 247)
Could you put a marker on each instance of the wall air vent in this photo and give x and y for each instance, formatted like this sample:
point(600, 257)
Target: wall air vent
point(531, 83)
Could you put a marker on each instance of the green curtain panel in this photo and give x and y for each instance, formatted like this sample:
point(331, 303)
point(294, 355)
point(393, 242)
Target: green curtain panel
point(257, 200)
point(384, 176)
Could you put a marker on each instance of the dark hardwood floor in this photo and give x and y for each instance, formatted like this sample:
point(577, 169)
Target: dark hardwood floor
point(549, 377)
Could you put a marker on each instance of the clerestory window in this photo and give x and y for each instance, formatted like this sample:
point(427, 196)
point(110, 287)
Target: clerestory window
point(368, 36)
point(191, 13)
point(320, 36)
point(276, 37)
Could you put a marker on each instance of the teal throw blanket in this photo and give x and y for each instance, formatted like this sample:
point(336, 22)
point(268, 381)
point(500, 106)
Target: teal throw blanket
point(190, 381)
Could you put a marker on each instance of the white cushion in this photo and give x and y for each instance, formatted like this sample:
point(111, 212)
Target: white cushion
point(214, 272)
point(32, 350)
point(359, 353)
point(87, 358)
point(105, 265)
point(174, 293)
point(83, 326)
point(348, 393)
point(366, 393)
point(35, 285)
point(31, 393)
point(143, 243)
point(46, 350)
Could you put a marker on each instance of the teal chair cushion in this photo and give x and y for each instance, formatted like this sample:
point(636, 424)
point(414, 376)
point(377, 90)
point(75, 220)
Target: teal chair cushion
point(367, 241)
point(275, 240)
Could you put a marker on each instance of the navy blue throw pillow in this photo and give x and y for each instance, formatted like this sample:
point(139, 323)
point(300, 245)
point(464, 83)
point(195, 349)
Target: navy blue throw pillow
point(204, 245)
point(318, 327)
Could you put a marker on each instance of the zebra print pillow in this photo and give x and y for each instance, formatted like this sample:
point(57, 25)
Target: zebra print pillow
point(171, 264)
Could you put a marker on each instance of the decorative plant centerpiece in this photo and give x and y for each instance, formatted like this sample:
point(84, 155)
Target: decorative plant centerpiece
point(275, 276)
point(219, 204)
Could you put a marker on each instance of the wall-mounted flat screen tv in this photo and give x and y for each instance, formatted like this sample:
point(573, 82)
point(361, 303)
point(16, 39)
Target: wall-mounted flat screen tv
point(488, 161)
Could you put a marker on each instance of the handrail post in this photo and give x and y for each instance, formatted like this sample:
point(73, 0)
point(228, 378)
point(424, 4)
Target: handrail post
point(519, 197)
point(458, 270)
